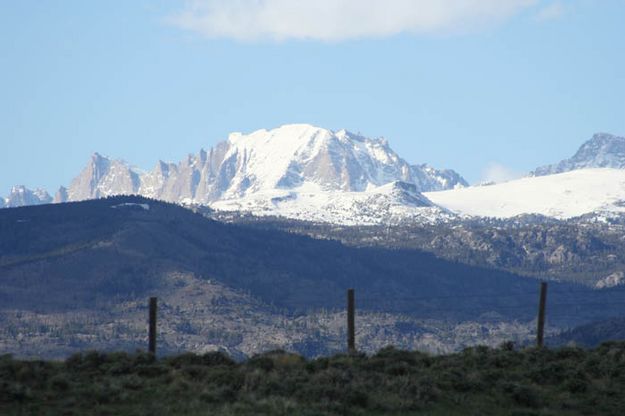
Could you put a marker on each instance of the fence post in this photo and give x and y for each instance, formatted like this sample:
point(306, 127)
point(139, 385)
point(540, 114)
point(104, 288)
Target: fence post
point(351, 333)
point(152, 327)
point(540, 334)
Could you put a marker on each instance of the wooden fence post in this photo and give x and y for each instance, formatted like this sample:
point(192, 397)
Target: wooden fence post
point(152, 327)
point(540, 334)
point(351, 332)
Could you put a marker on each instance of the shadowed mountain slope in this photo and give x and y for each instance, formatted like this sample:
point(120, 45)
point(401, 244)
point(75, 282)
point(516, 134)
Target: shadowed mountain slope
point(54, 257)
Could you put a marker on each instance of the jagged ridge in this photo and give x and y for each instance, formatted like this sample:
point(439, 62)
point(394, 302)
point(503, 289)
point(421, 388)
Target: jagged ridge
point(298, 170)
point(22, 196)
point(603, 150)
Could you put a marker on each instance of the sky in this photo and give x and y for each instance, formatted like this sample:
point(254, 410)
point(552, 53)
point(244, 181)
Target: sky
point(490, 88)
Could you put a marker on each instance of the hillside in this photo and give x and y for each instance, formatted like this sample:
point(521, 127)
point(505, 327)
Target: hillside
point(112, 247)
point(591, 334)
point(77, 275)
point(585, 250)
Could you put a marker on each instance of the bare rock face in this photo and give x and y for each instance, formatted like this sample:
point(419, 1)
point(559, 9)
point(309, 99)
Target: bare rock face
point(152, 183)
point(305, 170)
point(103, 177)
point(61, 195)
point(603, 150)
point(429, 179)
point(21, 196)
point(285, 158)
point(295, 156)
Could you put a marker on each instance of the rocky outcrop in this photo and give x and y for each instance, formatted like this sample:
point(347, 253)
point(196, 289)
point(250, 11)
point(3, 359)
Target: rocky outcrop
point(21, 196)
point(603, 150)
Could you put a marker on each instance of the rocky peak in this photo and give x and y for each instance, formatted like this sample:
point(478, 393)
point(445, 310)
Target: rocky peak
point(294, 158)
point(61, 195)
point(22, 196)
point(603, 150)
point(103, 177)
point(293, 155)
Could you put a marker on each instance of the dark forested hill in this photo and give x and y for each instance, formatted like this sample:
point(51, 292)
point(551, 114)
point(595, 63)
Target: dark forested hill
point(90, 255)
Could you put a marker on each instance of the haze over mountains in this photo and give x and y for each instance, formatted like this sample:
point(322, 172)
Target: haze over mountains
point(304, 172)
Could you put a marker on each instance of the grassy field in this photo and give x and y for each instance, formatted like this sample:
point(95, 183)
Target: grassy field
point(476, 381)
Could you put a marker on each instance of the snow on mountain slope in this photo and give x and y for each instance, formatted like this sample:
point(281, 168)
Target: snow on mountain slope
point(296, 170)
point(21, 196)
point(307, 172)
point(388, 204)
point(288, 157)
point(563, 195)
point(294, 155)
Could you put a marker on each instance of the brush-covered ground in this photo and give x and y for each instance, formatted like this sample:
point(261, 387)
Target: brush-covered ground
point(477, 381)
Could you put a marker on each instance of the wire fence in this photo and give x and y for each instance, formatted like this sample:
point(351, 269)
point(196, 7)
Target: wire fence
point(522, 303)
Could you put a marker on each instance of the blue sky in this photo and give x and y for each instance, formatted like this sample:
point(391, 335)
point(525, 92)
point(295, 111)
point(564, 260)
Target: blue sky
point(471, 87)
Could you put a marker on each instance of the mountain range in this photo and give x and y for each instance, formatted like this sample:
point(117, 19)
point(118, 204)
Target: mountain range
point(21, 196)
point(276, 169)
point(309, 173)
point(77, 276)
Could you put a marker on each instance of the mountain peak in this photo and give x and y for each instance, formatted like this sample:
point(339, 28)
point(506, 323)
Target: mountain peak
point(297, 155)
point(603, 136)
point(255, 171)
point(103, 177)
point(18, 189)
point(21, 196)
point(292, 131)
point(603, 150)
point(98, 159)
point(61, 195)
point(602, 143)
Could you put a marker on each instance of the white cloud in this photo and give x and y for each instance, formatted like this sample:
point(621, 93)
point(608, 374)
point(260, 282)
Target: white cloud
point(550, 12)
point(336, 20)
point(497, 173)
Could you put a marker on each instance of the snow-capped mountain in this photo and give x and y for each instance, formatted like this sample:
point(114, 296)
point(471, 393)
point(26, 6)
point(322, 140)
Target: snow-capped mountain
point(592, 181)
point(20, 196)
point(603, 150)
point(310, 173)
point(288, 158)
point(294, 170)
point(563, 195)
